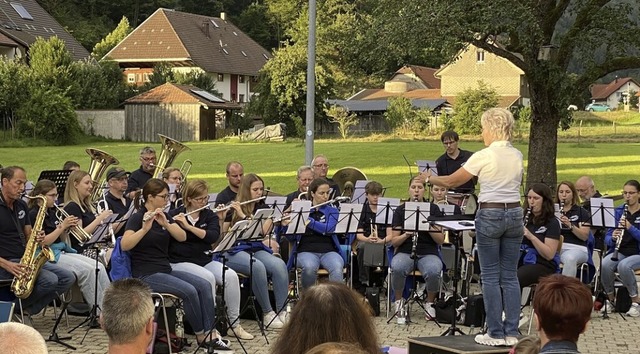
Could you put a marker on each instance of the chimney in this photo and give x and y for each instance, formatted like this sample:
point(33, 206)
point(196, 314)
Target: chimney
point(205, 28)
point(223, 16)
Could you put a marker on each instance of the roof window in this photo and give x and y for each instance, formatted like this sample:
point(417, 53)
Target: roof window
point(21, 11)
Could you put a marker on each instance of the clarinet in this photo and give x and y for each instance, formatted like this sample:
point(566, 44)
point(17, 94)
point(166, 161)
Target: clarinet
point(621, 222)
point(414, 239)
point(525, 221)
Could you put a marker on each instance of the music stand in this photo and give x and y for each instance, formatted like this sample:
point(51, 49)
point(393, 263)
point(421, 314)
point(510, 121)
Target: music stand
point(59, 178)
point(447, 209)
point(212, 198)
point(359, 195)
point(100, 236)
point(424, 165)
point(455, 227)
point(300, 214)
point(348, 221)
point(277, 204)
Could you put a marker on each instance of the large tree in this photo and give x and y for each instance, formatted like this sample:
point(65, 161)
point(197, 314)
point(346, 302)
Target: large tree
point(588, 39)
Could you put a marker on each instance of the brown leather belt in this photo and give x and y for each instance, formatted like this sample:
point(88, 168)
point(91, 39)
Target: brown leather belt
point(498, 205)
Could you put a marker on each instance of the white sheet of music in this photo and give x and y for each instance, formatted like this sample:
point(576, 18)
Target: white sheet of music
point(299, 215)
point(447, 209)
point(386, 207)
point(419, 211)
point(600, 207)
point(359, 196)
point(349, 216)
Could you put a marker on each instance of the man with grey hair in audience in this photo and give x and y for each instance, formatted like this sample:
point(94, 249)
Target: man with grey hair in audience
point(127, 316)
point(17, 338)
point(139, 177)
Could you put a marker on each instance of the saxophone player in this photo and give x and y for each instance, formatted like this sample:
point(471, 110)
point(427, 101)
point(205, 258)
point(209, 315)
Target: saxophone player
point(628, 248)
point(15, 231)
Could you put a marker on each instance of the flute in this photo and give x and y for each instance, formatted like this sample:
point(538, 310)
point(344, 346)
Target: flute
point(226, 207)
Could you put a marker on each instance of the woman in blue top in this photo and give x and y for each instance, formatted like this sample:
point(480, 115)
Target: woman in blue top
point(265, 263)
point(319, 246)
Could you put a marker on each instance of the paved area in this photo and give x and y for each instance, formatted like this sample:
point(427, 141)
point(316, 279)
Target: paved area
point(613, 335)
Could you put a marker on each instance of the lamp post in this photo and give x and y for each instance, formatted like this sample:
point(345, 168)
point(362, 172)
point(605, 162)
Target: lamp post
point(311, 85)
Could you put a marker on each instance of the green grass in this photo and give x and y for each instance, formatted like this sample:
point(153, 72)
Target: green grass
point(610, 164)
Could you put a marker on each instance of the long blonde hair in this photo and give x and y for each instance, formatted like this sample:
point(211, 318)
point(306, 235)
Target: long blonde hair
point(71, 192)
point(244, 194)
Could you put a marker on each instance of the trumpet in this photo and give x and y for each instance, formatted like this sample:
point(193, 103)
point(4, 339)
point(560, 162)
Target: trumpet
point(621, 222)
point(76, 231)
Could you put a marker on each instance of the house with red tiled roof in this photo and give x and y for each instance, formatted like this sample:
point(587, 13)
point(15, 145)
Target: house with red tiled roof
point(613, 93)
point(472, 65)
point(183, 112)
point(23, 21)
point(189, 42)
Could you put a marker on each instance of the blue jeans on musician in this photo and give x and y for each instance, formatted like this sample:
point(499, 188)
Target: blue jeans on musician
point(499, 234)
point(52, 281)
point(625, 267)
point(570, 259)
point(195, 293)
point(429, 265)
point(265, 266)
point(310, 262)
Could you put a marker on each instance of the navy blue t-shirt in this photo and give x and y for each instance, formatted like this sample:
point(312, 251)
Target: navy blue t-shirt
point(151, 254)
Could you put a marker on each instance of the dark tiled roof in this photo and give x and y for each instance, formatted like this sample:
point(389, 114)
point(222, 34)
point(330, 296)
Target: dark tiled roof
point(603, 91)
point(424, 73)
point(210, 43)
point(172, 93)
point(381, 105)
point(43, 25)
point(381, 94)
point(7, 42)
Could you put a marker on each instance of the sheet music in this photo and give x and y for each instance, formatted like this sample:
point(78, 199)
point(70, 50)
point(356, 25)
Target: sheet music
point(231, 236)
point(349, 216)
point(386, 207)
point(419, 210)
point(447, 209)
point(212, 198)
point(600, 207)
point(254, 228)
point(102, 231)
point(299, 215)
point(359, 196)
point(423, 164)
point(277, 205)
point(457, 225)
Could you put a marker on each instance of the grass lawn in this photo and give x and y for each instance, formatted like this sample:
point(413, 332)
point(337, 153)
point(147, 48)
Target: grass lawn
point(610, 164)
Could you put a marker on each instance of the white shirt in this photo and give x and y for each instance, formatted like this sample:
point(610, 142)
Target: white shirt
point(499, 170)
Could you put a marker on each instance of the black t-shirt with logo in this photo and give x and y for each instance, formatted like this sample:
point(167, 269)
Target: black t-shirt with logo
point(317, 242)
point(87, 217)
point(12, 224)
point(50, 221)
point(577, 215)
point(193, 248)
point(426, 244)
point(116, 205)
point(151, 254)
point(368, 218)
point(549, 230)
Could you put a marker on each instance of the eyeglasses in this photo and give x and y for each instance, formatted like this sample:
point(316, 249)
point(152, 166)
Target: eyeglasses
point(163, 196)
point(629, 193)
point(447, 143)
point(202, 199)
point(147, 159)
point(322, 165)
point(54, 195)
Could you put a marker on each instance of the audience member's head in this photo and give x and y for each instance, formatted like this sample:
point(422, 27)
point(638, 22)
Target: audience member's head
point(127, 314)
point(328, 312)
point(17, 338)
point(562, 306)
point(336, 348)
point(71, 166)
point(526, 345)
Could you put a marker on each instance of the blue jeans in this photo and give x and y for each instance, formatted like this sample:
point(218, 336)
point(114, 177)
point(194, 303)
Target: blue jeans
point(52, 281)
point(265, 265)
point(626, 267)
point(310, 262)
point(570, 260)
point(499, 234)
point(195, 293)
point(429, 265)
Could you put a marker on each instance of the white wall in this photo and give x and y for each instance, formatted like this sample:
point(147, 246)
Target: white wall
point(105, 123)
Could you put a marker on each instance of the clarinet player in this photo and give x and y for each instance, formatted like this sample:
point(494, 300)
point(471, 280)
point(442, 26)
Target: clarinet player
point(623, 244)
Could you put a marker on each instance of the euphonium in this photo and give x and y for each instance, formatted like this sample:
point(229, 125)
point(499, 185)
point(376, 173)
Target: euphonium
point(100, 161)
point(621, 222)
point(22, 286)
point(76, 231)
point(171, 148)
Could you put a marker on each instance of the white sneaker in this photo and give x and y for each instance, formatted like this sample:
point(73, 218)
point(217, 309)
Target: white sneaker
point(486, 339)
point(608, 306)
point(283, 317)
point(401, 312)
point(272, 321)
point(523, 320)
point(431, 311)
point(239, 332)
point(511, 341)
point(634, 310)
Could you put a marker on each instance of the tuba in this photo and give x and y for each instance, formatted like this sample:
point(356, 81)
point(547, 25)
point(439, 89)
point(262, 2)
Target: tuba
point(346, 178)
point(23, 286)
point(171, 148)
point(100, 161)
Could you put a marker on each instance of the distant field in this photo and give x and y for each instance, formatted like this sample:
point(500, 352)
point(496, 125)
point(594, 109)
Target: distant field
point(610, 164)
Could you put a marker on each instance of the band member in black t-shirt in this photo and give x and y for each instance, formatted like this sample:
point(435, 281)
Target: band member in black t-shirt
point(15, 231)
point(576, 235)
point(453, 159)
point(117, 200)
point(147, 237)
point(234, 173)
point(369, 231)
point(57, 237)
point(586, 189)
point(427, 250)
point(139, 177)
point(541, 237)
point(173, 177)
point(629, 249)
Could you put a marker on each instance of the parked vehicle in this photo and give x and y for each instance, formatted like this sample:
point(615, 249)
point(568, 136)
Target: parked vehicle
point(597, 107)
point(572, 107)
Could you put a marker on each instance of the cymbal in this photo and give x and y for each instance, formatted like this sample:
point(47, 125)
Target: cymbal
point(347, 174)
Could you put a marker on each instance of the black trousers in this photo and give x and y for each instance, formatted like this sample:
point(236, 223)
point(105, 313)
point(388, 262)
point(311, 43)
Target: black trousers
point(529, 274)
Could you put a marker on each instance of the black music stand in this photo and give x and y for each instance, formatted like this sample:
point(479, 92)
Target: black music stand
point(348, 221)
point(227, 242)
point(53, 336)
point(455, 227)
point(59, 178)
point(100, 236)
point(277, 204)
point(384, 216)
point(253, 233)
point(603, 215)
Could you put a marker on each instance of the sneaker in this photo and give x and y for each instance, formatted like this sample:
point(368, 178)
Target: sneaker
point(634, 310)
point(609, 306)
point(240, 333)
point(282, 316)
point(511, 341)
point(401, 312)
point(219, 345)
point(523, 320)
point(272, 321)
point(485, 339)
point(431, 311)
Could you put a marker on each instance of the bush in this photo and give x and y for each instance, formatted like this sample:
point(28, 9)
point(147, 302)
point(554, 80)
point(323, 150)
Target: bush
point(48, 114)
point(470, 105)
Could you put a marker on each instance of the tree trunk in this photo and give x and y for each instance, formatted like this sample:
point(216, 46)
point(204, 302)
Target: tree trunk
point(543, 138)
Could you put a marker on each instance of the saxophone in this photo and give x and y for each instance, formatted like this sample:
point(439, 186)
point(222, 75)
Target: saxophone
point(23, 286)
point(621, 222)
